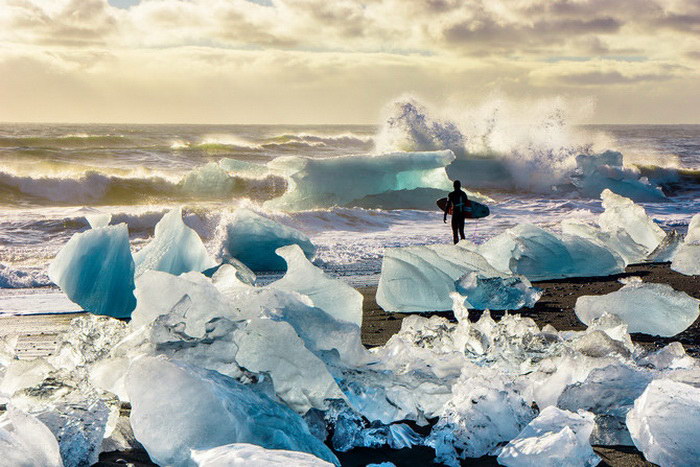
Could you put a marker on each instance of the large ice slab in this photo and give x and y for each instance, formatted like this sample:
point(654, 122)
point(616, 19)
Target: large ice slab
point(245, 455)
point(26, 442)
point(664, 423)
point(253, 239)
point(205, 410)
point(96, 270)
point(623, 214)
point(655, 309)
point(618, 242)
point(333, 296)
point(339, 181)
point(686, 259)
point(555, 438)
point(497, 293)
point(175, 248)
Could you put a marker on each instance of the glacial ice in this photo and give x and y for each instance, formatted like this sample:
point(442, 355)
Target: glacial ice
point(655, 309)
point(98, 219)
point(253, 239)
point(555, 438)
point(205, 410)
point(497, 293)
point(250, 455)
point(618, 242)
point(664, 423)
point(339, 181)
point(622, 214)
point(26, 442)
point(96, 270)
point(175, 248)
point(209, 180)
point(333, 296)
point(686, 259)
point(667, 248)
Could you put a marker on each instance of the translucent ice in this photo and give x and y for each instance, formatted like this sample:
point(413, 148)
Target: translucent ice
point(654, 309)
point(667, 248)
point(26, 442)
point(333, 296)
point(205, 410)
point(338, 181)
point(245, 455)
point(686, 259)
point(664, 423)
point(253, 239)
point(98, 219)
point(497, 293)
point(555, 438)
point(96, 270)
point(622, 214)
point(618, 242)
point(208, 180)
point(175, 248)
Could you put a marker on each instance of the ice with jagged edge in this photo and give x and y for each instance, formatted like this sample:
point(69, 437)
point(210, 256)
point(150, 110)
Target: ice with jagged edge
point(26, 442)
point(344, 180)
point(95, 269)
point(245, 454)
point(686, 259)
point(205, 410)
point(655, 309)
point(175, 248)
point(497, 293)
point(253, 239)
point(555, 438)
point(664, 423)
point(623, 215)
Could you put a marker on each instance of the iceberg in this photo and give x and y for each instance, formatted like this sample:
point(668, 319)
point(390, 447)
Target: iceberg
point(664, 423)
point(497, 293)
point(555, 438)
point(655, 309)
point(253, 240)
point(26, 442)
point(246, 455)
point(175, 248)
point(686, 259)
point(95, 269)
point(340, 181)
point(622, 214)
point(205, 410)
point(333, 296)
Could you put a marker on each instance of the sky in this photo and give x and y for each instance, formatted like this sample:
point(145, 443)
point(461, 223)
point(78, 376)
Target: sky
point(326, 61)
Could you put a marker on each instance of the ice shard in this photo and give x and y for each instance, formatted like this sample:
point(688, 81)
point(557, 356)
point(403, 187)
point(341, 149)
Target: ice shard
point(497, 293)
point(623, 214)
point(95, 269)
point(686, 259)
point(26, 442)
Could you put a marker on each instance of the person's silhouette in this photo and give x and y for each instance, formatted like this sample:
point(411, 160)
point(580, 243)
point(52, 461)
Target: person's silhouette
point(459, 202)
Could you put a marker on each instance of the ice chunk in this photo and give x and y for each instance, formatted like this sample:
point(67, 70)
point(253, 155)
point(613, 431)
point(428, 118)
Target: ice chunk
point(175, 248)
point(98, 219)
point(96, 270)
point(654, 309)
point(339, 181)
point(245, 455)
point(205, 410)
point(622, 214)
point(333, 296)
point(667, 248)
point(208, 180)
point(26, 442)
point(555, 438)
point(253, 239)
point(687, 259)
point(497, 293)
point(664, 423)
point(421, 278)
point(618, 242)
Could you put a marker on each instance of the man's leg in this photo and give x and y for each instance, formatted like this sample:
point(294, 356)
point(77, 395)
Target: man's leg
point(455, 229)
point(461, 228)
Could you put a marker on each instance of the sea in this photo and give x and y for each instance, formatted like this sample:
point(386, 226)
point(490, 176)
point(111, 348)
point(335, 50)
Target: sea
point(53, 175)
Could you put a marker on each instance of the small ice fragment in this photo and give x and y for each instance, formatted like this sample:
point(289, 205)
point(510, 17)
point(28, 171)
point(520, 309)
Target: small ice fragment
point(497, 293)
point(250, 455)
point(655, 309)
point(26, 442)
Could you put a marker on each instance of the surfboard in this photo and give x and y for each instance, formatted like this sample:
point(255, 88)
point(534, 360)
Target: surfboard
point(475, 211)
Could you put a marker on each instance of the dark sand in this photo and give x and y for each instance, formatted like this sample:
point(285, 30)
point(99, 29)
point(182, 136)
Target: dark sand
point(556, 307)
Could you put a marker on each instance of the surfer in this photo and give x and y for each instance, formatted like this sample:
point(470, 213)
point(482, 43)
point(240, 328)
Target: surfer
point(457, 204)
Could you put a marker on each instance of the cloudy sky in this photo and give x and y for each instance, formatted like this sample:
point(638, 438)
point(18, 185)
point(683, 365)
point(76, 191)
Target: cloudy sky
point(341, 61)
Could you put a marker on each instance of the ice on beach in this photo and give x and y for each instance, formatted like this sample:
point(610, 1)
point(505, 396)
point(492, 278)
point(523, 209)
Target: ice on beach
point(686, 259)
point(664, 423)
point(246, 455)
point(555, 438)
point(655, 309)
point(622, 214)
point(333, 296)
point(339, 181)
point(667, 248)
point(497, 293)
point(421, 278)
point(618, 242)
point(253, 239)
point(175, 248)
point(26, 442)
point(205, 410)
point(95, 269)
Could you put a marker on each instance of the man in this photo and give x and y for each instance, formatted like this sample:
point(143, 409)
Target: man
point(460, 204)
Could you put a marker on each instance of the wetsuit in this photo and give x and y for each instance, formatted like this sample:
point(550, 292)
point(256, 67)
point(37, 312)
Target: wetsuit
point(459, 202)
